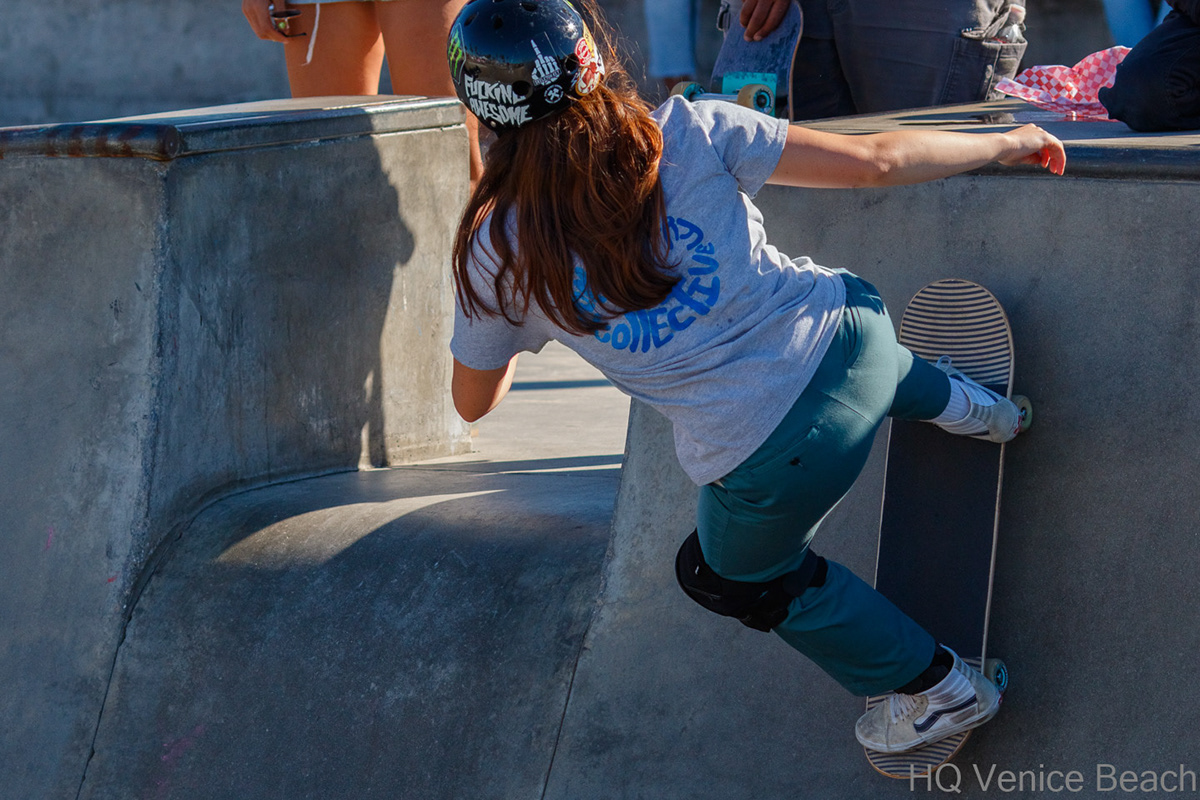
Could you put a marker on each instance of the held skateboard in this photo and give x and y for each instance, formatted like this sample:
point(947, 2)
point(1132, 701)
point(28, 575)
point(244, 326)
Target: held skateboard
point(753, 74)
point(941, 500)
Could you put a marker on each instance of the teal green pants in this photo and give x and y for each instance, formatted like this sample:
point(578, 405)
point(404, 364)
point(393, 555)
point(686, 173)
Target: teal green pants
point(756, 523)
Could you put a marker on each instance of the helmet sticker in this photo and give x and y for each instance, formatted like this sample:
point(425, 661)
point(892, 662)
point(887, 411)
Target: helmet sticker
point(456, 53)
point(585, 48)
point(545, 69)
point(496, 103)
point(554, 94)
point(591, 65)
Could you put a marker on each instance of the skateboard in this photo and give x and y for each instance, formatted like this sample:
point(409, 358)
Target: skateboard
point(753, 74)
point(941, 499)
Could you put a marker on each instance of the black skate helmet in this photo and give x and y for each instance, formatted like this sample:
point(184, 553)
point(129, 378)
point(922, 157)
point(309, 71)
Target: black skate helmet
point(516, 61)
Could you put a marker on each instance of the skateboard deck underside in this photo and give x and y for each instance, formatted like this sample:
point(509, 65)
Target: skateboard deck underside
point(768, 62)
point(937, 534)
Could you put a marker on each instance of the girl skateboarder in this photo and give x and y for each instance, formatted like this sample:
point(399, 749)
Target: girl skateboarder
point(629, 235)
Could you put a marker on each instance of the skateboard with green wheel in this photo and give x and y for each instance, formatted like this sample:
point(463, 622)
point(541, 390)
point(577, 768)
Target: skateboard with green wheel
point(753, 74)
point(941, 501)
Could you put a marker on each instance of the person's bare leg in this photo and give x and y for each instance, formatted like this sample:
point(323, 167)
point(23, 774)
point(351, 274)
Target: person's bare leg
point(415, 32)
point(347, 54)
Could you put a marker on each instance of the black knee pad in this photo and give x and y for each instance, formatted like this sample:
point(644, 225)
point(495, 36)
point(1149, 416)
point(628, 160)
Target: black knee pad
point(761, 606)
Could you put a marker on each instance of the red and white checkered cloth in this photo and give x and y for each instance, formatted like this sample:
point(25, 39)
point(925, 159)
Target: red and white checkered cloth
point(1071, 91)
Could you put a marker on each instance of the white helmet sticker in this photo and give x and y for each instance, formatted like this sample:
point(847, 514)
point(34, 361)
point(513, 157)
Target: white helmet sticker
point(495, 102)
point(545, 68)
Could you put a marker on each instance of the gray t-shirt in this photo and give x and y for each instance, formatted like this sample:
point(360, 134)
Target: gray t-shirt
point(731, 348)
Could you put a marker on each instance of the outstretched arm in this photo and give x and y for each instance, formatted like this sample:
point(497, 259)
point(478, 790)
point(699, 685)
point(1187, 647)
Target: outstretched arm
point(478, 391)
point(835, 161)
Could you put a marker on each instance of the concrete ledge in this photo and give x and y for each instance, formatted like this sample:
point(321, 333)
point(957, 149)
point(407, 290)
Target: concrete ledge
point(163, 137)
point(273, 301)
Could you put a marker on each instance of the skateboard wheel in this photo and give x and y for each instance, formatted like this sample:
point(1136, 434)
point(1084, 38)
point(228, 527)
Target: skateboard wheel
point(689, 90)
point(995, 671)
point(1026, 409)
point(758, 97)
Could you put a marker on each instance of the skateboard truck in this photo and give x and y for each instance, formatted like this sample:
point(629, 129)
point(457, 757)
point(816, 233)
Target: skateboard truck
point(757, 96)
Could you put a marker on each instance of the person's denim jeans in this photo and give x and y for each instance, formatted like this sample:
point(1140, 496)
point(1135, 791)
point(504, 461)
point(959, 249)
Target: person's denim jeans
point(870, 56)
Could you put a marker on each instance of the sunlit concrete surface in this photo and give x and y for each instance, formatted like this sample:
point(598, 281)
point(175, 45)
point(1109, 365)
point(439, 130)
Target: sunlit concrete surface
point(407, 632)
point(505, 622)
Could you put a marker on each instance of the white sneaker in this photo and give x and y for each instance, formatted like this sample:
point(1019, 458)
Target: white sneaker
point(991, 416)
point(964, 699)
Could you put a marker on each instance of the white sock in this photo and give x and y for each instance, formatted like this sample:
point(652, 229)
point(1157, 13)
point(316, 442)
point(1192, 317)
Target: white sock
point(958, 406)
point(951, 690)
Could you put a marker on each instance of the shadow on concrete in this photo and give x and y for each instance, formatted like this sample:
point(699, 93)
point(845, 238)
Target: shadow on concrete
point(177, 330)
point(610, 464)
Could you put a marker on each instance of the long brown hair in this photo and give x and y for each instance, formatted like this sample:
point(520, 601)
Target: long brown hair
point(583, 184)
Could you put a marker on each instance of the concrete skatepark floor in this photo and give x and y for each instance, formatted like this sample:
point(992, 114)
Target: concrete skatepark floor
point(473, 627)
point(409, 632)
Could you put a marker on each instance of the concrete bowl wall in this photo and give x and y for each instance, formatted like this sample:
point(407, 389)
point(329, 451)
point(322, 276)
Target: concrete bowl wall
point(252, 294)
point(1096, 602)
